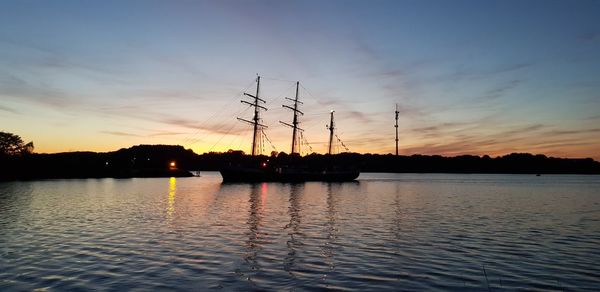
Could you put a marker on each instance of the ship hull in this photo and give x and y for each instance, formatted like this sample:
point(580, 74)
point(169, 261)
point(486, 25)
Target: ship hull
point(248, 174)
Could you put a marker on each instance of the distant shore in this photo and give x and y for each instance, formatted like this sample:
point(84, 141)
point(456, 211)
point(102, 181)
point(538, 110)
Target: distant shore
point(175, 161)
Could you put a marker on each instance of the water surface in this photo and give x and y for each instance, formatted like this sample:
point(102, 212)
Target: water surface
point(385, 232)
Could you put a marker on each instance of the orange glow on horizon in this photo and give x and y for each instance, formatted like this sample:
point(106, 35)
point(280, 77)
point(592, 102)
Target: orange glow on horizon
point(410, 144)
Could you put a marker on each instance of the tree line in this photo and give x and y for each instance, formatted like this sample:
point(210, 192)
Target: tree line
point(18, 161)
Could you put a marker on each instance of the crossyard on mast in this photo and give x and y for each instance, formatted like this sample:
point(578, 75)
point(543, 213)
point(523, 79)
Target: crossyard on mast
point(294, 125)
point(256, 137)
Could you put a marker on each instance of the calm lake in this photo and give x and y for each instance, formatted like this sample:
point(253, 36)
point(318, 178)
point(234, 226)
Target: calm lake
point(384, 232)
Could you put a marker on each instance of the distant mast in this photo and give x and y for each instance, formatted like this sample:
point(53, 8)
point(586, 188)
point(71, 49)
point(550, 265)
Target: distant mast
point(396, 129)
point(295, 122)
point(255, 120)
point(331, 127)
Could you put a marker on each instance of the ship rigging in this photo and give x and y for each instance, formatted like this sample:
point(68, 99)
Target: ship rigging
point(291, 171)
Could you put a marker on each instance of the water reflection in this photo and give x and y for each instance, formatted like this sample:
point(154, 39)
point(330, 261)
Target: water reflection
point(171, 198)
point(333, 189)
point(396, 219)
point(258, 193)
point(293, 227)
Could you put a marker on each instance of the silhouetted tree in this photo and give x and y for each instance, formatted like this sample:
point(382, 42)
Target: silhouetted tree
point(12, 145)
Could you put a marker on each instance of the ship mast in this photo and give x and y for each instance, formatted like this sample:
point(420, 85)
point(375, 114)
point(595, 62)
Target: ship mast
point(256, 119)
point(331, 127)
point(396, 129)
point(295, 122)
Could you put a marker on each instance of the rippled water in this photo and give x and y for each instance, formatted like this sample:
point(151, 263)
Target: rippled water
point(384, 232)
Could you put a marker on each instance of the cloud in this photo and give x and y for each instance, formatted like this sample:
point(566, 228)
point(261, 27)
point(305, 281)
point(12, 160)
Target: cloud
point(475, 74)
point(217, 128)
point(368, 143)
point(589, 37)
point(508, 68)
point(39, 57)
point(8, 109)
point(594, 117)
point(155, 134)
point(438, 128)
point(439, 149)
point(343, 110)
point(392, 73)
point(166, 134)
point(366, 50)
point(122, 134)
point(44, 94)
point(502, 89)
point(522, 130)
point(181, 122)
point(411, 111)
point(572, 132)
point(356, 115)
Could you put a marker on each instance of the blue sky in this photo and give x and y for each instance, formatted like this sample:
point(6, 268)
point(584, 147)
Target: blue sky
point(477, 77)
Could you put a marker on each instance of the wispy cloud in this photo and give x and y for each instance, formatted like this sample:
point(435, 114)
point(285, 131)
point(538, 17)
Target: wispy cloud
point(358, 116)
point(407, 110)
point(437, 128)
point(589, 37)
point(44, 58)
point(365, 49)
point(594, 117)
point(158, 134)
point(391, 73)
point(465, 73)
point(573, 132)
point(524, 130)
point(217, 128)
point(122, 134)
point(154, 134)
point(501, 89)
point(508, 68)
point(43, 94)
point(8, 109)
point(181, 122)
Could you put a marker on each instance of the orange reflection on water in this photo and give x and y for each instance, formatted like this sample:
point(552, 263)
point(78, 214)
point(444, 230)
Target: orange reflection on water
point(171, 199)
point(263, 194)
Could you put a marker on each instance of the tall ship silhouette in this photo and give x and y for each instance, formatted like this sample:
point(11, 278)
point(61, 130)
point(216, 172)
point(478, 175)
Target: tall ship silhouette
point(292, 169)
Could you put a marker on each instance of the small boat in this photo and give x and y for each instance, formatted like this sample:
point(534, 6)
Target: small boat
point(260, 169)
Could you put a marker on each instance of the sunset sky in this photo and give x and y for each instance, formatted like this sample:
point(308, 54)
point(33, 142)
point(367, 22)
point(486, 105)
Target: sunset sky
point(469, 77)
